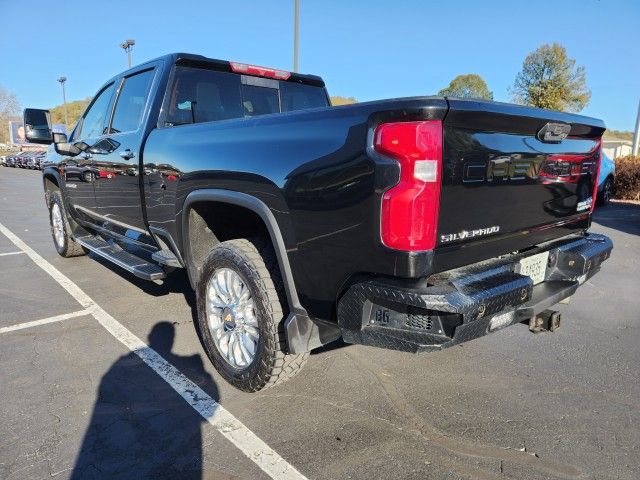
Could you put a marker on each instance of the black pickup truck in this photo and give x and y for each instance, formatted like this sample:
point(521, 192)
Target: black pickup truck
point(412, 224)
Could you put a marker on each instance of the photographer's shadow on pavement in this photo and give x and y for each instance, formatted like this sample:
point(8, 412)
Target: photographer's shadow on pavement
point(140, 426)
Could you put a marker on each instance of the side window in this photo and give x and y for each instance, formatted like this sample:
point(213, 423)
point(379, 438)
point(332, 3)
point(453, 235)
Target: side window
point(297, 96)
point(200, 95)
point(94, 120)
point(131, 101)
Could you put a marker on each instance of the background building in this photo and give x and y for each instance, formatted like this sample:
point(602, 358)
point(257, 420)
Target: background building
point(615, 148)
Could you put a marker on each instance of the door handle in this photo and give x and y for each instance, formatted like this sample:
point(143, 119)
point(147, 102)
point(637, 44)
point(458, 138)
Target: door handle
point(127, 154)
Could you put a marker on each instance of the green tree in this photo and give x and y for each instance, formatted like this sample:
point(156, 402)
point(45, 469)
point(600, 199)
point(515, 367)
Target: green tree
point(470, 85)
point(74, 110)
point(338, 100)
point(9, 109)
point(550, 79)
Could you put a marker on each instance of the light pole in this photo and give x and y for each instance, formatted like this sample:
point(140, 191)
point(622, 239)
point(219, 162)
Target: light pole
point(636, 134)
point(296, 32)
point(62, 81)
point(126, 46)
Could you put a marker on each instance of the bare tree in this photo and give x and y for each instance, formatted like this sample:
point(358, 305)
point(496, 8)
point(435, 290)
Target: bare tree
point(9, 109)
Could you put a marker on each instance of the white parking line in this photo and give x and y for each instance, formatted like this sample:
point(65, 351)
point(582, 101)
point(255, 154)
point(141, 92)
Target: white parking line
point(44, 321)
point(10, 253)
point(229, 426)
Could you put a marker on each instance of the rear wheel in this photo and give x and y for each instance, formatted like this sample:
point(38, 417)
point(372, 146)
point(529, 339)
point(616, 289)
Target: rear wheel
point(65, 245)
point(240, 316)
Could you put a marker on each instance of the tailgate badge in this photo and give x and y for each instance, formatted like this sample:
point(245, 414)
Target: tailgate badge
point(465, 234)
point(584, 205)
point(554, 132)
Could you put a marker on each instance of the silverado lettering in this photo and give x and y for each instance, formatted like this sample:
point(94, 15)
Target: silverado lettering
point(469, 234)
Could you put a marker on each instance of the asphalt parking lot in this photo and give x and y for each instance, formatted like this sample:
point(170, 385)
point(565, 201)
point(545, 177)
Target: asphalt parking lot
point(81, 397)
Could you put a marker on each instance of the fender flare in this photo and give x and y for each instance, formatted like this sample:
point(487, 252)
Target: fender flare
point(51, 173)
point(55, 174)
point(301, 332)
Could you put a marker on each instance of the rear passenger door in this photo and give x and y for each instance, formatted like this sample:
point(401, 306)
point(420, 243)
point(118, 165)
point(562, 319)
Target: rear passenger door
point(117, 186)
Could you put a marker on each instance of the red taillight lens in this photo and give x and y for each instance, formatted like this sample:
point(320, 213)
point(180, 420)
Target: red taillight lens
point(259, 71)
point(409, 218)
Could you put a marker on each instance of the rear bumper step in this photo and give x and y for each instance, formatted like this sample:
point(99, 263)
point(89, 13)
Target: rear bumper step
point(115, 254)
point(459, 305)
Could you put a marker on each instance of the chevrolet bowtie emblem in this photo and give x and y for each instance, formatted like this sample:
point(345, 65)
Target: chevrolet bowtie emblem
point(554, 132)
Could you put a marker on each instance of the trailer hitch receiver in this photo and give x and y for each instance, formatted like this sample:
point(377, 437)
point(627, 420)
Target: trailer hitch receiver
point(549, 320)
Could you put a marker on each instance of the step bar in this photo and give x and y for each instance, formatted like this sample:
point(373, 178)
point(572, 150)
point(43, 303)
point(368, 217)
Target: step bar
point(115, 254)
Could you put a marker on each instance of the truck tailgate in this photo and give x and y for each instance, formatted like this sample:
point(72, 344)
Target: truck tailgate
point(505, 186)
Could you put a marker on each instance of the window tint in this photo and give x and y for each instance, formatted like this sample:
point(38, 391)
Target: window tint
point(93, 123)
point(200, 95)
point(131, 102)
point(297, 96)
point(259, 100)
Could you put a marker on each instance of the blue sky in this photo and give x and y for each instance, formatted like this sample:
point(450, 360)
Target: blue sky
point(370, 49)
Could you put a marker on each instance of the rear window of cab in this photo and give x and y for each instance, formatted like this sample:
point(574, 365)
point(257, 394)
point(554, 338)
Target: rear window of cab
point(201, 95)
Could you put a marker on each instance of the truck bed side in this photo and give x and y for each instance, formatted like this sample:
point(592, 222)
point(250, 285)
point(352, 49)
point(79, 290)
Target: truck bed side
point(318, 174)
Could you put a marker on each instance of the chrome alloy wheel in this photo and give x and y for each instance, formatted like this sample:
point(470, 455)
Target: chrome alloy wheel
point(231, 317)
point(57, 225)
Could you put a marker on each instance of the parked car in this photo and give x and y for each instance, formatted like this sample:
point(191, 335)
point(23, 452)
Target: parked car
point(10, 160)
point(605, 180)
point(18, 159)
point(30, 160)
point(412, 224)
point(35, 162)
point(3, 160)
point(22, 159)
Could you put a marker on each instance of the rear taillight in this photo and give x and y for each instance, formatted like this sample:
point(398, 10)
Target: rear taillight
point(409, 217)
point(259, 71)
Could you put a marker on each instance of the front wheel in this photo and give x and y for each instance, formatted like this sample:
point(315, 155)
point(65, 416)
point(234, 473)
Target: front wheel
point(65, 245)
point(240, 316)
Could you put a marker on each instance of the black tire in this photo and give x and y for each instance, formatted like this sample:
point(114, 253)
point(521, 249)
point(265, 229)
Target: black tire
point(607, 191)
point(258, 269)
point(67, 247)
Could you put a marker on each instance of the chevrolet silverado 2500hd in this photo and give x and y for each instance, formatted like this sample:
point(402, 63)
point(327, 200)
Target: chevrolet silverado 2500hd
point(411, 224)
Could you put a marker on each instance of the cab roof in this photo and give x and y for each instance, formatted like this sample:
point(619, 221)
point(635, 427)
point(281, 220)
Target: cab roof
point(190, 59)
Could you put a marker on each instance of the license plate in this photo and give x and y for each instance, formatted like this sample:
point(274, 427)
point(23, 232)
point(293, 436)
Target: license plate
point(535, 267)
